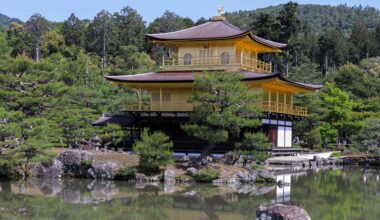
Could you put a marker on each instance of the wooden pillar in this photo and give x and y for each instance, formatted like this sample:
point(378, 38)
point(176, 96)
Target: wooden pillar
point(291, 102)
point(241, 57)
point(277, 98)
point(285, 106)
point(160, 98)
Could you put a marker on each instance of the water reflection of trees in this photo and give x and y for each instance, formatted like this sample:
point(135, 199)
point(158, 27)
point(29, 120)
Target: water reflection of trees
point(327, 194)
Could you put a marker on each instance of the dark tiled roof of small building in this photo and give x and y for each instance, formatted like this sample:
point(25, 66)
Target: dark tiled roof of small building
point(216, 29)
point(174, 77)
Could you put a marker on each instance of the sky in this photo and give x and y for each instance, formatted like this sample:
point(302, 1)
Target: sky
point(59, 10)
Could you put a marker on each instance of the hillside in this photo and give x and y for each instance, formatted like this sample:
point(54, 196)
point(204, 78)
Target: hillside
point(5, 20)
point(317, 17)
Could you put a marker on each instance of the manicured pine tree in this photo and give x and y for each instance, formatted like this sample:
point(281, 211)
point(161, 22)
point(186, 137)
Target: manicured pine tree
point(224, 107)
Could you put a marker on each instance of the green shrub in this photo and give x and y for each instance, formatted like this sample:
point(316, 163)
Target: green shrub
point(126, 174)
point(336, 154)
point(155, 150)
point(263, 180)
point(6, 170)
point(206, 176)
point(257, 166)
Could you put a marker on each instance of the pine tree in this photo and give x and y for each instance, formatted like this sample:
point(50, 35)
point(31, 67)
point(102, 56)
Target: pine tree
point(224, 106)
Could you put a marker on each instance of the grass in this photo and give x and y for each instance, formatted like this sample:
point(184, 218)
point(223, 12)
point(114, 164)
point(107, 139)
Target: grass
point(126, 174)
point(206, 176)
point(257, 166)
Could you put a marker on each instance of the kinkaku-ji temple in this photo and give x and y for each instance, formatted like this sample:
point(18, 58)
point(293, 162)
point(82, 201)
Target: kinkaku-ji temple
point(213, 46)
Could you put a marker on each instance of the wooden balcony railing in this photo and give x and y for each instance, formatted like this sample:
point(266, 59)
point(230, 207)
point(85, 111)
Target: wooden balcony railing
point(266, 106)
point(277, 107)
point(216, 62)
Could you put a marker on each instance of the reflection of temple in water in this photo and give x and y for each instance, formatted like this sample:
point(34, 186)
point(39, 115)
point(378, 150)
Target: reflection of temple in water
point(283, 192)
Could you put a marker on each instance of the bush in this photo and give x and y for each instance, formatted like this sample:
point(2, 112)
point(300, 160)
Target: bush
point(257, 167)
point(154, 150)
point(336, 154)
point(6, 170)
point(126, 174)
point(206, 176)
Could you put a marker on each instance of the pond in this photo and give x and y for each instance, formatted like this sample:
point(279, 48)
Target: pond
point(349, 193)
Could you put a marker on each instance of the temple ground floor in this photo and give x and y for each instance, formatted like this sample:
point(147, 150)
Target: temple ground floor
point(278, 127)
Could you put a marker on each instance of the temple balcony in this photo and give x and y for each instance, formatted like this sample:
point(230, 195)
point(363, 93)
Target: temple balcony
point(215, 63)
point(183, 106)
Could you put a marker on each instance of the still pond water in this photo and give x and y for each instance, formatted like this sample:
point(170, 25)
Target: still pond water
point(325, 194)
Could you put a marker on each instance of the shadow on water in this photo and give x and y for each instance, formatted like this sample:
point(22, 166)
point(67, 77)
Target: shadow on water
point(349, 193)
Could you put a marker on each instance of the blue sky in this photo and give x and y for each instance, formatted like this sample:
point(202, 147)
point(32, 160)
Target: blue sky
point(59, 10)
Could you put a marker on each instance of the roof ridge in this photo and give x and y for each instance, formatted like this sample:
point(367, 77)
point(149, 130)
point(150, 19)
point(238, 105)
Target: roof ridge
point(186, 29)
point(232, 26)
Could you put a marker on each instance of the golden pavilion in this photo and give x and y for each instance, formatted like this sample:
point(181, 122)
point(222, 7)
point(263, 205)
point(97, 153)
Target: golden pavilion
point(213, 46)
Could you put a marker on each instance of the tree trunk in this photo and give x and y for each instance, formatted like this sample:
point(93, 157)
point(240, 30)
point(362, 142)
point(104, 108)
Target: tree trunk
point(37, 54)
point(205, 152)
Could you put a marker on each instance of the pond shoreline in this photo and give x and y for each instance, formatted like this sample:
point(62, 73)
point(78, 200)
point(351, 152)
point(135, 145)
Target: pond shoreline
point(106, 165)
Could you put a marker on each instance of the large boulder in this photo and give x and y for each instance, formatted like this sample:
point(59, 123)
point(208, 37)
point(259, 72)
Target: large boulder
point(318, 160)
point(104, 170)
point(141, 178)
point(191, 171)
point(169, 177)
point(243, 177)
point(279, 211)
point(229, 158)
point(76, 163)
point(53, 169)
point(264, 176)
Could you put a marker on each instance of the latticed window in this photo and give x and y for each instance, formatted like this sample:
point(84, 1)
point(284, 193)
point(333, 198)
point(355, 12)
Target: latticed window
point(187, 59)
point(225, 58)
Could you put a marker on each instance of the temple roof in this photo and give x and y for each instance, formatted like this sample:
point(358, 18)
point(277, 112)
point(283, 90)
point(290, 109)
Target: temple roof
point(212, 30)
point(154, 77)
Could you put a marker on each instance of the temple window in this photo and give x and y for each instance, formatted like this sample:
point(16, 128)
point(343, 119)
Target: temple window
point(225, 58)
point(187, 59)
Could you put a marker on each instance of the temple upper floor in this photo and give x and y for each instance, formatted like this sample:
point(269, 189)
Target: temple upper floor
point(215, 45)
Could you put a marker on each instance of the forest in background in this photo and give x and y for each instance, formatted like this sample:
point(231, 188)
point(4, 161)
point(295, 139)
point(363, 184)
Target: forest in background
point(52, 82)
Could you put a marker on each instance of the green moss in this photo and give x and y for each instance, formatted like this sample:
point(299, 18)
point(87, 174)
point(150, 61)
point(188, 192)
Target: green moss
point(206, 176)
point(87, 163)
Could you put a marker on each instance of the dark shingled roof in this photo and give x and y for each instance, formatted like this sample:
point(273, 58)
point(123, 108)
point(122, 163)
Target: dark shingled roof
point(174, 77)
point(216, 29)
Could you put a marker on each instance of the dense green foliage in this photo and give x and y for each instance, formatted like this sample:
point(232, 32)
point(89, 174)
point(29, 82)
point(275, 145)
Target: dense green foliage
point(206, 176)
point(318, 17)
point(154, 150)
point(223, 107)
point(125, 174)
point(253, 147)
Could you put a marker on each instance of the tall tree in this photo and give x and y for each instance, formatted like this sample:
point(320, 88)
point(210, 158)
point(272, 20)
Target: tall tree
point(377, 38)
point(332, 49)
point(265, 26)
point(168, 22)
point(99, 35)
point(36, 27)
point(360, 41)
point(130, 28)
point(224, 106)
point(73, 30)
point(340, 122)
point(289, 21)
